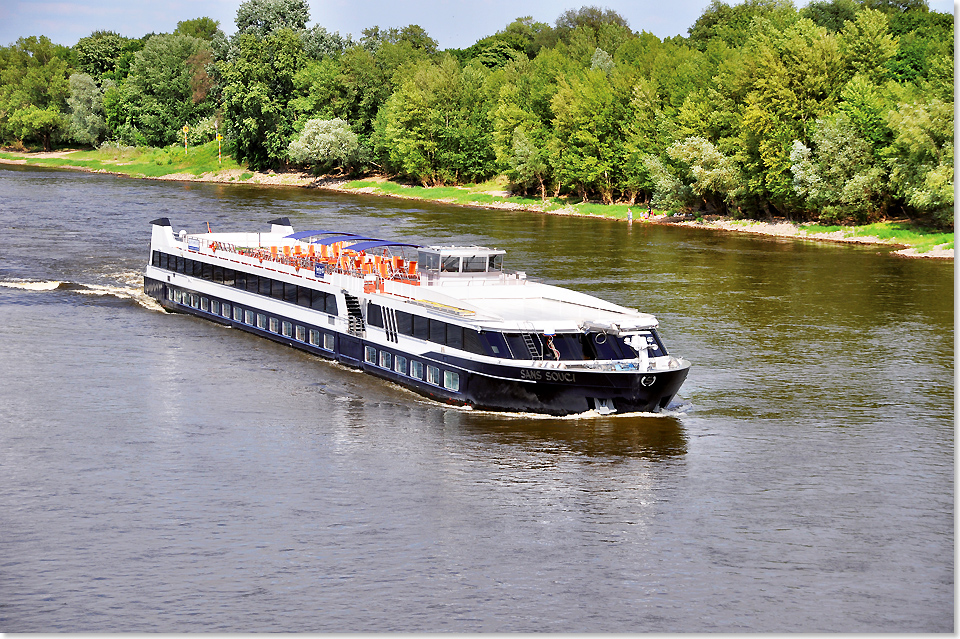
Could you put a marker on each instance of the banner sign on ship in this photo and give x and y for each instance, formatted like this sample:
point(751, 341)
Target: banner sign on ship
point(319, 270)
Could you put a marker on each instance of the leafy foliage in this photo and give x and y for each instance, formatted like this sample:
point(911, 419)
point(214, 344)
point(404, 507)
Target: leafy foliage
point(841, 110)
point(325, 142)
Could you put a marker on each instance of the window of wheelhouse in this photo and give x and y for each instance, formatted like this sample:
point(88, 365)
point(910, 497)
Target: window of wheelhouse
point(428, 261)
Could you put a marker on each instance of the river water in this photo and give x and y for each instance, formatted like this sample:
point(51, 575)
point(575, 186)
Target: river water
point(160, 473)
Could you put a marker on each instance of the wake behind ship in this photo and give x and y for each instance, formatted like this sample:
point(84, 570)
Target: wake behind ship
point(445, 321)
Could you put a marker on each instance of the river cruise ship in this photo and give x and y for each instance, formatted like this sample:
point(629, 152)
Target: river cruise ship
point(445, 321)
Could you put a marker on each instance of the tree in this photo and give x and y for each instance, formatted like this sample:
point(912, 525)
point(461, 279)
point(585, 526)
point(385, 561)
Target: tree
point(87, 125)
point(734, 24)
point(435, 127)
point(258, 88)
point(867, 45)
point(202, 28)
point(830, 14)
point(159, 92)
point(712, 177)
point(263, 17)
point(325, 142)
point(921, 157)
point(591, 17)
point(34, 87)
point(839, 178)
point(97, 54)
point(318, 43)
point(588, 112)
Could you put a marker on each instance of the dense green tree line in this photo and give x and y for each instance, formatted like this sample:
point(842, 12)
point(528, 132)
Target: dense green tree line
point(840, 110)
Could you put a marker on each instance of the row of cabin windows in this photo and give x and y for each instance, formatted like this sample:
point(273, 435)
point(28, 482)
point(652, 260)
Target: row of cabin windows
point(398, 363)
point(578, 346)
point(307, 335)
point(262, 285)
point(430, 330)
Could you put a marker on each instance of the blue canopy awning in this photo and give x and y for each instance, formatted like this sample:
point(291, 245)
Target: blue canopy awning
point(363, 246)
point(299, 235)
point(352, 237)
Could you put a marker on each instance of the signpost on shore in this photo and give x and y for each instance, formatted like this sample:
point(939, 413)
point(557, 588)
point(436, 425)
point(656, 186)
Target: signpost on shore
point(185, 129)
point(216, 127)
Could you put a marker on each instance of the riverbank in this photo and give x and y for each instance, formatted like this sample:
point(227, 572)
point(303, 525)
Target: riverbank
point(203, 164)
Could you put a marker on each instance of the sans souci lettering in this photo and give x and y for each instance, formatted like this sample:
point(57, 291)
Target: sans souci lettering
point(548, 376)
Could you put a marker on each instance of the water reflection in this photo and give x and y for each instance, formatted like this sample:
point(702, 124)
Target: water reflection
point(638, 437)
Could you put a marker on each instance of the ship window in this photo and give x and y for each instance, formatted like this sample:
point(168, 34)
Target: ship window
point(304, 296)
point(471, 342)
point(229, 277)
point(314, 337)
point(438, 331)
point(238, 313)
point(370, 354)
point(496, 344)
point(517, 346)
point(495, 263)
point(218, 274)
point(225, 310)
point(215, 307)
point(197, 268)
point(450, 264)
point(416, 369)
point(253, 282)
point(328, 341)
point(404, 323)
point(428, 261)
point(318, 303)
point(264, 287)
point(454, 336)
point(451, 380)
point(181, 262)
point(274, 325)
point(301, 334)
point(603, 346)
point(276, 289)
point(474, 264)
point(156, 258)
point(177, 296)
point(194, 300)
point(374, 315)
point(400, 364)
point(207, 271)
point(331, 304)
point(286, 328)
point(290, 293)
point(421, 327)
point(204, 304)
point(568, 345)
point(385, 359)
point(433, 375)
point(248, 317)
point(261, 320)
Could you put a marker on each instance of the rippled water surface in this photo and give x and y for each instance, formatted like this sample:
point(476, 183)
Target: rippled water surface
point(160, 473)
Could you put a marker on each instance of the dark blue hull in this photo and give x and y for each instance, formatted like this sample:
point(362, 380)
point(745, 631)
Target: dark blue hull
point(481, 385)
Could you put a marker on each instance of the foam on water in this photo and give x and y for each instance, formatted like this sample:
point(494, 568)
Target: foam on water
point(129, 291)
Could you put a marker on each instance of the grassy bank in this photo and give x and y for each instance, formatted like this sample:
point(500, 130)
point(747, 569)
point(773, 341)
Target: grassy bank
point(494, 194)
point(200, 163)
point(140, 162)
